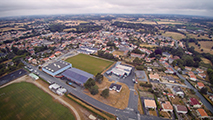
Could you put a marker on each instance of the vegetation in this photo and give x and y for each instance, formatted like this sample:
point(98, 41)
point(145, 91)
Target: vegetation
point(105, 93)
point(146, 85)
point(106, 55)
point(99, 78)
point(26, 101)
point(90, 85)
point(88, 63)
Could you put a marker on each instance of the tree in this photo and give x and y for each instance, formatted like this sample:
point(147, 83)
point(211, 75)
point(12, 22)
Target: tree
point(136, 61)
point(105, 93)
point(94, 90)
point(201, 50)
point(204, 90)
point(99, 78)
point(158, 51)
point(89, 83)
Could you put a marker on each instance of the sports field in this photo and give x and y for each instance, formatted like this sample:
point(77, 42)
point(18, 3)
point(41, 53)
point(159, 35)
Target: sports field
point(88, 63)
point(26, 101)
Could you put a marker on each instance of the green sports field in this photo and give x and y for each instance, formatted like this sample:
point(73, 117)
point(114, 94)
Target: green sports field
point(25, 101)
point(88, 63)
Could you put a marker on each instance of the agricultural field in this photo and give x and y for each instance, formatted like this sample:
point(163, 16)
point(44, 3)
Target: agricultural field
point(169, 22)
point(174, 35)
point(26, 101)
point(88, 63)
point(146, 45)
point(66, 30)
point(205, 45)
point(190, 35)
point(10, 28)
point(206, 61)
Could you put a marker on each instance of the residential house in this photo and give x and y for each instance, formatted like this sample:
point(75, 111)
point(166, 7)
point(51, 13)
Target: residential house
point(154, 77)
point(150, 103)
point(199, 70)
point(171, 95)
point(155, 64)
point(169, 79)
point(167, 106)
point(178, 91)
point(137, 55)
point(34, 61)
point(211, 97)
point(194, 103)
point(115, 87)
point(202, 75)
point(202, 113)
point(200, 85)
point(52, 56)
point(181, 109)
point(169, 71)
point(193, 78)
point(45, 59)
point(188, 68)
point(57, 53)
point(166, 54)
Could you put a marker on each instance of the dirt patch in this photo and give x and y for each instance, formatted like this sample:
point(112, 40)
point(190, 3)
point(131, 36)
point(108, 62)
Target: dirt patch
point(115, 99)
point(153, 112)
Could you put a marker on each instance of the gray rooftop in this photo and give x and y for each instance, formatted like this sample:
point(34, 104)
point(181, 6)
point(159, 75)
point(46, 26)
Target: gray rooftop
point(53, 67)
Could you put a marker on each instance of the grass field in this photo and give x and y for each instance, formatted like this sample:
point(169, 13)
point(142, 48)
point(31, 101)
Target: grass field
point(145, 45)
point(88, 63)
point(65, 30)
point(190, 35)
point(26, 101)
point(205, 45)
point(169, 22)
point(174, 35)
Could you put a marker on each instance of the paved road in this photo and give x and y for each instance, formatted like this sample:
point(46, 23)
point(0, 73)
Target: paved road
point(122, 114)
point(12, 76)
point(203, 100)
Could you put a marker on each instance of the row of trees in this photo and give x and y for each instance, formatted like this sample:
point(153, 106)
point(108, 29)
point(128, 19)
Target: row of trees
point(106, 55)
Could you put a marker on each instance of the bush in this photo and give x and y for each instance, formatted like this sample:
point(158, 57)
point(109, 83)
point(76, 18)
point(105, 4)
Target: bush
point(146, 85)
point(94, 90)
point(105, 93)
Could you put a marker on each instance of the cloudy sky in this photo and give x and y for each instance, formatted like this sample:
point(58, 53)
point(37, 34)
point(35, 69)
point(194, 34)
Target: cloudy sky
point(48, 7)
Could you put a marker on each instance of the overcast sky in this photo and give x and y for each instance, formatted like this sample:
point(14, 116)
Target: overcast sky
point(48, 7)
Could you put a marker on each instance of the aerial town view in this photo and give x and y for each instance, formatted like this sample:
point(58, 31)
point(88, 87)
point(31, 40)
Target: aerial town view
point(106, 60)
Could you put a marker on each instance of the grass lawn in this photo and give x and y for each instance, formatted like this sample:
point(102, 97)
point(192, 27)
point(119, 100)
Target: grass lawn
point(88, 63)
point(26, 101)
point(174, 35)
point(205, 45)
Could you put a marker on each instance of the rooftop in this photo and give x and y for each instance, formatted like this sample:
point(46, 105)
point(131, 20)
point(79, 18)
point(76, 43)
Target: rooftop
point(202, 112)
point(53, 67)
point(149, 103)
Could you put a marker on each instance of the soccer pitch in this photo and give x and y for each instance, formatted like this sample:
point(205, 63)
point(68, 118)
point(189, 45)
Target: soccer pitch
point(88, 63)
point(28, 102)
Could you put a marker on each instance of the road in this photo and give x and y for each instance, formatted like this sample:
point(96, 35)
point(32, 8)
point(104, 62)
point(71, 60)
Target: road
point(12, 76)
point(203, 100)
point(122, 114)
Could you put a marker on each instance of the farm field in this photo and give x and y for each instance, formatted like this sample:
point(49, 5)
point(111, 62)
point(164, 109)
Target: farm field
point(26, 101)
point(190, 35)
point(88, 63)
point(145, 45)
point(169, 22)
point(174, 35)
point(205, 45)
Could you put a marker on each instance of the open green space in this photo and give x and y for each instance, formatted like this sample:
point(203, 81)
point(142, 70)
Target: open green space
point(28, 102)
point(88, 63)
point(174, 35)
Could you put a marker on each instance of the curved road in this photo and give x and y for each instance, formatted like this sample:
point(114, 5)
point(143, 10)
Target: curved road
point(203, 100)
point(122, 114)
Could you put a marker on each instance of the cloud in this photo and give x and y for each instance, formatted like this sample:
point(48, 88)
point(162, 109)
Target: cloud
point(36, 7)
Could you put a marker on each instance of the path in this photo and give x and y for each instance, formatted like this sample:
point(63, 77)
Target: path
point(25, 78)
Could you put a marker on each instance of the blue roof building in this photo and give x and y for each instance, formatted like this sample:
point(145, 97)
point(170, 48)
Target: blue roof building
point(77, 76)
point(57, 67)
